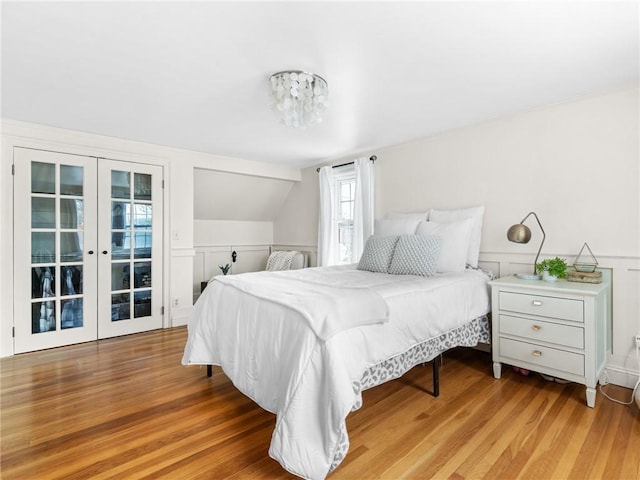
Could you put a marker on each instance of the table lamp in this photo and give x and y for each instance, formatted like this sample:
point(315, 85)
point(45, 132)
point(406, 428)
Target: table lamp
point(520, 233)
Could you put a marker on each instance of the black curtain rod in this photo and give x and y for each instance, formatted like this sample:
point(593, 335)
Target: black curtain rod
point(373, 158)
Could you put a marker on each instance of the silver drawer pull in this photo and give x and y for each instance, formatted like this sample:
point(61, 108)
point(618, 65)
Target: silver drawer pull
point(537, 303)
point(536, 327)
point(536, 353)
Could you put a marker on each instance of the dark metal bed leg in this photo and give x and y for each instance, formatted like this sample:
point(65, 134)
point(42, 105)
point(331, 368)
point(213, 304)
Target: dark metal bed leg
point(436, 377)
point(209, 371)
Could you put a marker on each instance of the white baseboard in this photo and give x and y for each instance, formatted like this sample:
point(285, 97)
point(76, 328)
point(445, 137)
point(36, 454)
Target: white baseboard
point(180, 316)
point(621, 377)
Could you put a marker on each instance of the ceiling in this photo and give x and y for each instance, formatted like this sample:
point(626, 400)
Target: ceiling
point(195, 75)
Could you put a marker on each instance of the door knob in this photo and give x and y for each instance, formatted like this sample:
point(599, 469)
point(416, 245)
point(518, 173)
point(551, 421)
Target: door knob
point(104, 252)
point(90, 252)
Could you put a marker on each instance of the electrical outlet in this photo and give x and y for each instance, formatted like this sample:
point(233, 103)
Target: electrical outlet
point(176, 302)
point(638, 340)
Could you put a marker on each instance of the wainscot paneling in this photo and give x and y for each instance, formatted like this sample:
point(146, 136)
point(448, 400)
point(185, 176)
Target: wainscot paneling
point(208, 258)
point(180, 305)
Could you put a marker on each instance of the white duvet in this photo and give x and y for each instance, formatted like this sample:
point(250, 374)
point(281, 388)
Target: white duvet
point(328, 309)
point(281, 359)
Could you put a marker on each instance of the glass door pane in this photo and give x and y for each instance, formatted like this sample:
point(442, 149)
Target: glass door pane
point(131, 241)
point(71, 246)
point(56, 246)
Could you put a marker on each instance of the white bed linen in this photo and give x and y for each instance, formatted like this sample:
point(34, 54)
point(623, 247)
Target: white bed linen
point(272, 355)
point(328, 309)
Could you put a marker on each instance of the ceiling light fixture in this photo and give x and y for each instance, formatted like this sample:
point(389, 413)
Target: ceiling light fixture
point(299, 97)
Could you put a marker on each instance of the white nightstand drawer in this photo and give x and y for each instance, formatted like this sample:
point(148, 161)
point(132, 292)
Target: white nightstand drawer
point(544, 356)
point(553, 307)
point(537, 330)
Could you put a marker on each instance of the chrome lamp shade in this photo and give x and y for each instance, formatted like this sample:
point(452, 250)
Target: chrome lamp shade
point(520, 233)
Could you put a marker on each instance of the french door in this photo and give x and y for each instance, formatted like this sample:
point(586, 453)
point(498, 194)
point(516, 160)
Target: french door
point(87, 248)
point(129, 248)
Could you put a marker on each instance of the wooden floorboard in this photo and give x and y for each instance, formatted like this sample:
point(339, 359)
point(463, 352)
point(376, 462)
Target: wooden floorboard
point(125, 408)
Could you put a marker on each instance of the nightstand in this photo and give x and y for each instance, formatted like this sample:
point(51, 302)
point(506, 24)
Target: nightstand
point(561, 328)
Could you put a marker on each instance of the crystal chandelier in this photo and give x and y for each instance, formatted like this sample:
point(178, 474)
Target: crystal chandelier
point(298, 97)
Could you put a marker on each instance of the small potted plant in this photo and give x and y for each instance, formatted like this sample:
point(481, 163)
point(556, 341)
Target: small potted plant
point(224, 269)
point(552, 269)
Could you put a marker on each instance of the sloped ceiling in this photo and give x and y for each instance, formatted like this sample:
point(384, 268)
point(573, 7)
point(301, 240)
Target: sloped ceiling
point(195, 75)
point(229, 196)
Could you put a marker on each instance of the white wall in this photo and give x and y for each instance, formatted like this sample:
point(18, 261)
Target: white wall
point(230, 232)
point(575, 164)
point(233, 212)
point(184, 229)
point(178, 166)
point(296, 226)
point(215, 241)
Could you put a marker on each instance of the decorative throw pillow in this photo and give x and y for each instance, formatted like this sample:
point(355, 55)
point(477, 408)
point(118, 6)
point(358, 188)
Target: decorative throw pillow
point(416, 255)
point(396, 226)
point(475, 213)
point(455, 242)
point(377, 253)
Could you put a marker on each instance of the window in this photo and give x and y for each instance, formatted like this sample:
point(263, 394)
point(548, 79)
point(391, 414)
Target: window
point(345, 190)
point(346, 211)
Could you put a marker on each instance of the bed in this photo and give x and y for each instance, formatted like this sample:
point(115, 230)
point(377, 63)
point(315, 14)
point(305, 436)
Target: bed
point(304, 344)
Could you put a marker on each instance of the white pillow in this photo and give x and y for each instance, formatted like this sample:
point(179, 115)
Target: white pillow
point(396, 226)
point(455, 242)
point(475, 213)
point(418, 217)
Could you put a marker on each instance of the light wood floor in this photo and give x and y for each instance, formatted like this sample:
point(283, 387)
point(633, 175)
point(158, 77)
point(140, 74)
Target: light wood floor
point(126, 408)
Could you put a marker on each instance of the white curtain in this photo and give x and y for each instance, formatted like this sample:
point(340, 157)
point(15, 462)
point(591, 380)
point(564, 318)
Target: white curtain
point(363, 214)
point(327, 235)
